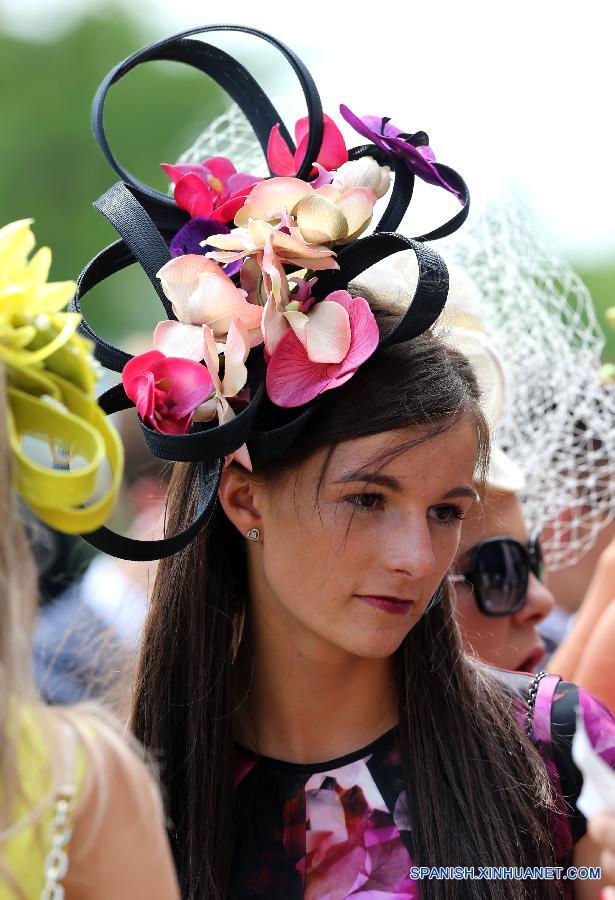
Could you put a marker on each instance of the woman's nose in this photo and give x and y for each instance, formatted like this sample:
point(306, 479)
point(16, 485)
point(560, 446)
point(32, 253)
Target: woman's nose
point(539, 603)
point(410, 551)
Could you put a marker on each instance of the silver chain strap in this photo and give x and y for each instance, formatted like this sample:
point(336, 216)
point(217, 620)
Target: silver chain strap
point(531, 703)
point(56, 862)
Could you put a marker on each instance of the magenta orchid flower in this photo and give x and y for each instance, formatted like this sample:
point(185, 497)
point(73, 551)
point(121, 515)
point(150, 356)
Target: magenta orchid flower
point(325, 354)
point(166, 390)
point(419, 157)
point(213, 188)
point(332, 152)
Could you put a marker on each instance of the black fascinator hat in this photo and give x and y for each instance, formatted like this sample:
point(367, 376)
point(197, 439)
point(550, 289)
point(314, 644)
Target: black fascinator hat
point(258, 321)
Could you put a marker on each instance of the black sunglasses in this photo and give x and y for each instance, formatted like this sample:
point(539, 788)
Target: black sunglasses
point(499, 573)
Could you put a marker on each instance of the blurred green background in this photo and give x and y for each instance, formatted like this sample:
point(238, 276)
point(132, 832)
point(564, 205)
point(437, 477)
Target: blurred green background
point(51, 167)
point(52, 170)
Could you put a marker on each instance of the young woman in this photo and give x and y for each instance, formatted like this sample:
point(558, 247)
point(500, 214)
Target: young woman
point(80, 814)
point(302, 679)
point(304, 647)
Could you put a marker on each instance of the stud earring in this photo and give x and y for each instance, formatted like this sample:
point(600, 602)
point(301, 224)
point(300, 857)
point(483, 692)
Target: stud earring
point(253, 534)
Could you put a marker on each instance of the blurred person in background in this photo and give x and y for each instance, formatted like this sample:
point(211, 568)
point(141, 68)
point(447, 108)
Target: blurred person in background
point(602, 830)
point(572, 584)
point(586, 653)
point(499, 594)
point(80, 814)
point(500, 597)
point(85, 640)
point(507, 613)
point(558, 424)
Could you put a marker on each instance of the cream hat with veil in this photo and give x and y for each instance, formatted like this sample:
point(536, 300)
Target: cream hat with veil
point(461, 326)
point(526, 322)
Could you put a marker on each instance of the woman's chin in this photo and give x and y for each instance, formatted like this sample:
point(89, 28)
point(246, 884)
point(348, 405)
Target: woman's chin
point(374, 648)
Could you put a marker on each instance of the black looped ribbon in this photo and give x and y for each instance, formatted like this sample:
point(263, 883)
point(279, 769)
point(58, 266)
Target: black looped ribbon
point(141, 242)
point(208, 448)
point(137, 230)
point(233, 78)
point(112, 259)
point(108, 262)
point(123, 547)
point(454, 179)
point(211, 441)
point(431, 290)
point(403, 187)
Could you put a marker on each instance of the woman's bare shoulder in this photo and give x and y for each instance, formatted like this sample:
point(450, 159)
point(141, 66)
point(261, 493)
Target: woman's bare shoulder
point(119, 847)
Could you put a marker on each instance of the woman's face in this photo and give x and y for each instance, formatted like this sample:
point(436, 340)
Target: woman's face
point(510, 642)
point(353, 565)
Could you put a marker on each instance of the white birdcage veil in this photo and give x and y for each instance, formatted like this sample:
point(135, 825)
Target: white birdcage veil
point(558, 422)
point(230, 135)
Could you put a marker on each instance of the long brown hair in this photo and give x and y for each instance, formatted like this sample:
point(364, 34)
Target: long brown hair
point(17, 608)
point(483, 798)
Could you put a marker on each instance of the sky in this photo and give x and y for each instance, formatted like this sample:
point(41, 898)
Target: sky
point(515, 96)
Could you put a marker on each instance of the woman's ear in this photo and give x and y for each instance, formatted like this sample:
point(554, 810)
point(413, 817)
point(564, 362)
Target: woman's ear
point(237, 497)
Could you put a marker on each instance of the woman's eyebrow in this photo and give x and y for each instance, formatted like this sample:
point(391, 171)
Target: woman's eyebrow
point(371, 478)
point(462, 490)
point(388, 481)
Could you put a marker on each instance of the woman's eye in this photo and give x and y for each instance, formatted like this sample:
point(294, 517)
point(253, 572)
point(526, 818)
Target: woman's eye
point(367, 502)
point(447, 514)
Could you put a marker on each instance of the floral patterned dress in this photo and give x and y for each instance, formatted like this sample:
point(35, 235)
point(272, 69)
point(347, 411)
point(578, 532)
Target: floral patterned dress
point(340, 829)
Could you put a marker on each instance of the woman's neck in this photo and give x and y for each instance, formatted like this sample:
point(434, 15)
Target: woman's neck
point(303, 700)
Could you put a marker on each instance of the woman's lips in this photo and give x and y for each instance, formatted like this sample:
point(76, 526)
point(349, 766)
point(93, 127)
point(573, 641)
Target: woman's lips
point(393, 605)
point(533, 660)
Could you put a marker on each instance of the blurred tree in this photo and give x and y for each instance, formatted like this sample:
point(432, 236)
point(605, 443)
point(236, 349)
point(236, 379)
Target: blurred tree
point(51, 167)
point(601, 282)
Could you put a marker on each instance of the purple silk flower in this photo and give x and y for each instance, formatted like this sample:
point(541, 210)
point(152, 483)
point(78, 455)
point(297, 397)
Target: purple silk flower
point(189, 237)
point(381, 132)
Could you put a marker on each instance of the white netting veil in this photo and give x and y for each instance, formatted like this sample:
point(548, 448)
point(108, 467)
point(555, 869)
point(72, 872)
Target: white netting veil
point(230, 135)
point(558, 423)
